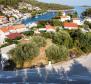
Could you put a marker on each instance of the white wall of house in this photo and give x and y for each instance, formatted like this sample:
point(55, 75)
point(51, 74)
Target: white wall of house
point(5, 50)
point(12, 31)
point(32, 25)
point(70, 28)
point(50, 30)
point(64, 19)
point(42, 29)
point(77, 22)
point(2, 38)
point(88, 19)
point(21, 30)
point(6, 33)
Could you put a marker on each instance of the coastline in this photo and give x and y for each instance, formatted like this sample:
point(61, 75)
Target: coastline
point(84, 60)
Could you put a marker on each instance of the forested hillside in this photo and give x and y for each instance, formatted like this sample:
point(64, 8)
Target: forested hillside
point(35, 3)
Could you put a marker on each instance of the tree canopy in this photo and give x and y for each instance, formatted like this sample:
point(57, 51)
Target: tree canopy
point(62, 38)
point(87, 12)
point(24, 52)
point(57, 53)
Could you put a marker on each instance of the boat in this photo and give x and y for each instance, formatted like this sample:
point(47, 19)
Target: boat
point(36, 16)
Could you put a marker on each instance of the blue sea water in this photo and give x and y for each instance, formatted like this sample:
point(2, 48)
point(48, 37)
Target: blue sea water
point(45, 16)
point(49, 15)
point(79, 10)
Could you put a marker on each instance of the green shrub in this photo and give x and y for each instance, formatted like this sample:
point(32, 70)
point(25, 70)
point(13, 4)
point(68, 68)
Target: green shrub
point(56, 53)
point(40, 41)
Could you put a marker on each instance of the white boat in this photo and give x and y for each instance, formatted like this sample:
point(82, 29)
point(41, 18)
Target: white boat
point(36, 16)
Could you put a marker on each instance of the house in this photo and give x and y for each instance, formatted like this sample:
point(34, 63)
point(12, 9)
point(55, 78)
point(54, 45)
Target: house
point(5, 50)
point(5, 30)
point(37, 31)
point(63, 13)
point(49, 28)
point(11, 19)
point(3, 19)
point(37, 8)
point(70, 25)
point(88, 19)
point(34, 24)
point(77, 21)
point(12, 29)
point(42, 29)
point(20, 28)
point(64, 18)
point(14, 35)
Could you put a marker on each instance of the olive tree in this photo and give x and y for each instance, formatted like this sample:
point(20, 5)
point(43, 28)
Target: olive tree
point(24, 52)
point(62, 38)
point(56, 53)
point(39, 40)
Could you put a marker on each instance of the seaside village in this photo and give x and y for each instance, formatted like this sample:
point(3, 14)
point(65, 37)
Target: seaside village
point(12, 28)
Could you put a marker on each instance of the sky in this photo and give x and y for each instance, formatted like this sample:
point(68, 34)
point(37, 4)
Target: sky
point(70, 2)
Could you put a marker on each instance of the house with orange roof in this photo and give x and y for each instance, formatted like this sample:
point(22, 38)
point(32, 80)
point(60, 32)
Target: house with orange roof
point(64, 18)
point(49, 28)
point(5, 30)
point(20, 28)
point(14, 29)
point(70, 25)
point(11, 29)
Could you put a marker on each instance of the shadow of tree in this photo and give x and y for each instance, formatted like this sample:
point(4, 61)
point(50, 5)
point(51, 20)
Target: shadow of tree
point(78, 69)
point(9, 65)
point(77, 72)
point(50, 74)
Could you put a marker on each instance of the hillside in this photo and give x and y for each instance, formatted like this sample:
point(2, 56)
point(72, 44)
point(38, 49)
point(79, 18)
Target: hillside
point(42, 5)
point(49, 6)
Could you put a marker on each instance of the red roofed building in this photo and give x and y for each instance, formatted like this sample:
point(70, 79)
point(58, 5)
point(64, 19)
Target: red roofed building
point(8, 29)
point(14, 35)
point(5, 30)
point(70, 25)
point(20, 28)
point(13, 29)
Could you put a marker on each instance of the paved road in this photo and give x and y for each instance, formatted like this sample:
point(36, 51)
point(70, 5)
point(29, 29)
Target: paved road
point(79, 73)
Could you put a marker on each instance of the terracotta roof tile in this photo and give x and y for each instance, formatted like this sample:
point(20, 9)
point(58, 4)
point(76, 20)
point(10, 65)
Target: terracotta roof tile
point(49, 27)
point(70, 24)
point(19, 26)
point(14, 35)
point(6, 29)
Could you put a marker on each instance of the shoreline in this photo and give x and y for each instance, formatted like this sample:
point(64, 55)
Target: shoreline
point(83, 60)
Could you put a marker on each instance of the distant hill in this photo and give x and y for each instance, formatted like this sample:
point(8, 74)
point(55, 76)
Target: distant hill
point(85, 6)
point(47, 6)
point(42, 5)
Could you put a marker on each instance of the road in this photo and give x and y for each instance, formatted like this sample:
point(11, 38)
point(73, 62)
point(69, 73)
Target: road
point(77, 71)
